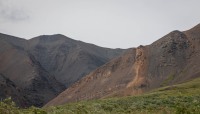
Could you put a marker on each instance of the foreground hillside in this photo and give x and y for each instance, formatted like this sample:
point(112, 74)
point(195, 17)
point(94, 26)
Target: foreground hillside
point(180, 99)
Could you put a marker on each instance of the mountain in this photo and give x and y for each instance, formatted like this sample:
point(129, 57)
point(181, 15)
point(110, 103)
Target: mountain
point(16, 64)
point(171, 60)
point(44, 66)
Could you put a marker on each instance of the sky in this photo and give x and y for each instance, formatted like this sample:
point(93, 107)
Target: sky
point(106, 23)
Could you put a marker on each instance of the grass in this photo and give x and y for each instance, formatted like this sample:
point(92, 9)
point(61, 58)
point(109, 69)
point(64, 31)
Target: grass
point(168, 80)
point(177, 99)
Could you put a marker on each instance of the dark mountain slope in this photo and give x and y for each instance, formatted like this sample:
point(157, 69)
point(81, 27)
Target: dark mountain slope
point(170, 60)
point(9, 89)
point(44, 66)
point(68, 59)
point(20, 67)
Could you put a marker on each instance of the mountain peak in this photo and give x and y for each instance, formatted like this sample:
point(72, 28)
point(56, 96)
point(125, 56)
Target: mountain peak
point(51, 37)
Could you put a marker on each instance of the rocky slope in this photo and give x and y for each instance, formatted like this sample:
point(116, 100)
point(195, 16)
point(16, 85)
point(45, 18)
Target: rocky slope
point(44, 66)
point(172, 59)
point(9, 89)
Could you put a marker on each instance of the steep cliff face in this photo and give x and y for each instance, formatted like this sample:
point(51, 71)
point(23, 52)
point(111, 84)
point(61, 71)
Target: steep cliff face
point(170, 60)
point(46, 65)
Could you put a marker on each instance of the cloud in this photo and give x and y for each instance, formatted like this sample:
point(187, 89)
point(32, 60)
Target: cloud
point(12, 13)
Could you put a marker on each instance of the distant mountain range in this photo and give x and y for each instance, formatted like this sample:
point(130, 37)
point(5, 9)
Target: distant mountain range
point(170, 60)
point(35, 71)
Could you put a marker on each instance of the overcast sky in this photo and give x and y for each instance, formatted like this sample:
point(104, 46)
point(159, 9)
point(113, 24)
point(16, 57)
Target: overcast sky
point(107, 23)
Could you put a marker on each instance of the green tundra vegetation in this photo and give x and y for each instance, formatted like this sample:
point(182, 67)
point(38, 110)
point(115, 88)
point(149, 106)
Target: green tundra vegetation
point(177, 99)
